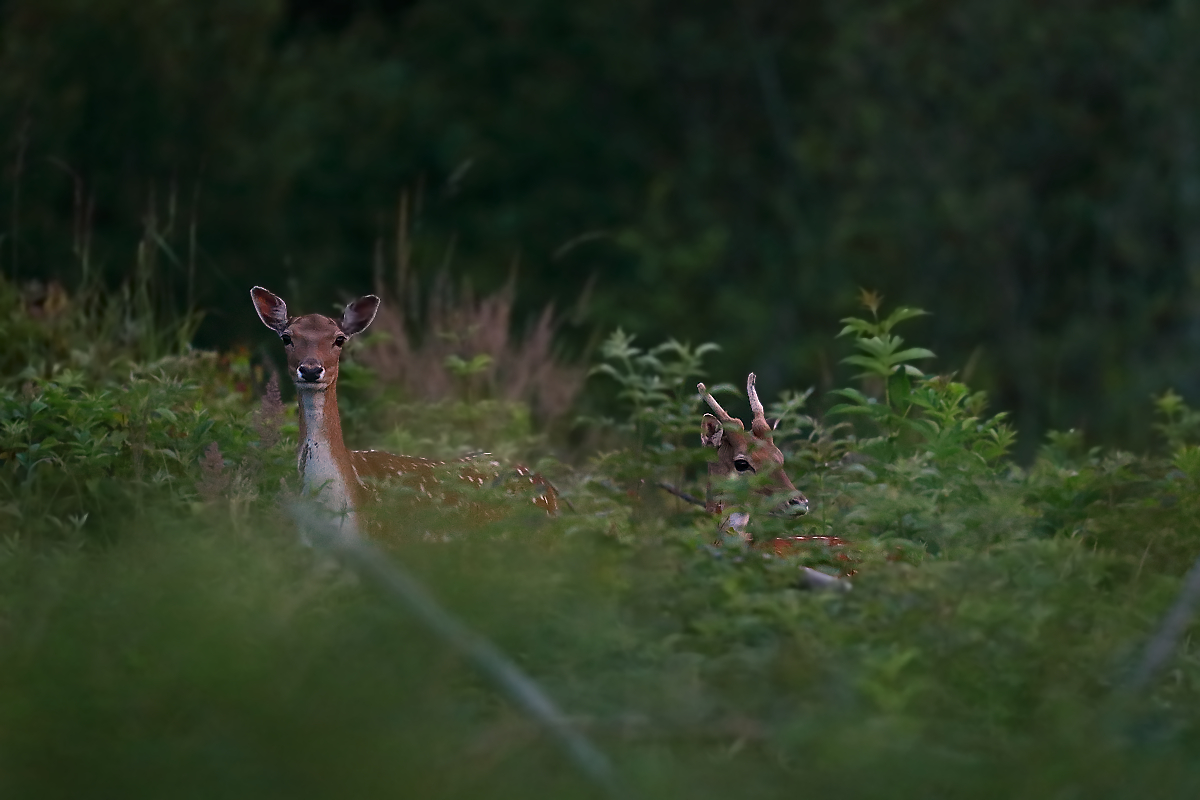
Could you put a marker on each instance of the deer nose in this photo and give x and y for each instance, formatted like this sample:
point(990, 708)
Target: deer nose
point(310, 370)
point(798, 505)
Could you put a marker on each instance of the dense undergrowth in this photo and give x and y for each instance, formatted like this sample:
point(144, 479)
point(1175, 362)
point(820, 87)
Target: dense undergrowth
point(163, 633)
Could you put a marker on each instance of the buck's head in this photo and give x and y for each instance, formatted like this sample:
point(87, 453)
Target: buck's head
point(313, 343)
point(744, 454)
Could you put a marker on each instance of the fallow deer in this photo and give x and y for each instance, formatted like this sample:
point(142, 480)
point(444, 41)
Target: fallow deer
point(329, 470)
point(745, 454)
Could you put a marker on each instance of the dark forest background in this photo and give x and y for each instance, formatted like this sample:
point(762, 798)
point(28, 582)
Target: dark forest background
point(735, 172)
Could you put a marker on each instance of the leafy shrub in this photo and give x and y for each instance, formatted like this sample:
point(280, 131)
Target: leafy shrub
point(92, 418)
point(994, 616)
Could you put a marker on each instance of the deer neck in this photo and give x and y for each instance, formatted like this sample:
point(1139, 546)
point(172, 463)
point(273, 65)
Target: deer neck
point(326, 472)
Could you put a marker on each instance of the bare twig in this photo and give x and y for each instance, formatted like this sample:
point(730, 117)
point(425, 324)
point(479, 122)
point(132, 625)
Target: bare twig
point(1162, 646)
point(370, 563)
point(666, 487)
point(815, 579)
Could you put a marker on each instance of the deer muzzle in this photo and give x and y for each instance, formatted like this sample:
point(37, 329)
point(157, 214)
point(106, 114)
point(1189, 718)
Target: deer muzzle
point(796, 505)
point(310, 371)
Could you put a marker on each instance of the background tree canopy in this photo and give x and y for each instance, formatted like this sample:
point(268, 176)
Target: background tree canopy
point(1028, 171)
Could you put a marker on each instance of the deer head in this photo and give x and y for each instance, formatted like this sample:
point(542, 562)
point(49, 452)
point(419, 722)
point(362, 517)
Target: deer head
point(313, 342)
point(744, 454)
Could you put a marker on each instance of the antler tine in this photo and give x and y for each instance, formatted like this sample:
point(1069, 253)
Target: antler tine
point(755, 404)
point(722, 414)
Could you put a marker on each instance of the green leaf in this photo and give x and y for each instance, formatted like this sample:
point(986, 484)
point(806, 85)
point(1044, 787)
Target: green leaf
point(879, 347)
point(606, 369)
point(912, 353)
point(860, 326)
point(479, 363)
point(846, 408)
point(875, 366)
point(901, 314)
point(852, 394)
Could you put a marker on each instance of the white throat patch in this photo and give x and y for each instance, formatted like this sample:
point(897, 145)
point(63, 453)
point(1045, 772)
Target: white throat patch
point(320, 474)
point(736, 522)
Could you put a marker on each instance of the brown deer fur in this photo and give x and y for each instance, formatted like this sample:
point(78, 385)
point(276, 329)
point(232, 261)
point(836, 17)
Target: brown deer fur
point(745, 454)
point(755, 453)
point(328, 469)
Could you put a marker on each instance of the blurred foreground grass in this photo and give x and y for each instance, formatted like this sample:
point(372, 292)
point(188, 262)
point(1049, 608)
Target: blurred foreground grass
point(164, 634)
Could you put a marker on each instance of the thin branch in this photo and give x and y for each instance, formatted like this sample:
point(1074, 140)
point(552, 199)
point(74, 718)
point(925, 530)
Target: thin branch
point(370, 563)
point(666, 487)
point(1162, 646)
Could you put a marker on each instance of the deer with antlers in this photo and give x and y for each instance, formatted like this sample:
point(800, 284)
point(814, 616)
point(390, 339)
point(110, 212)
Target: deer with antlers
point(334, 474)
point(754, 453)
point(744, 454)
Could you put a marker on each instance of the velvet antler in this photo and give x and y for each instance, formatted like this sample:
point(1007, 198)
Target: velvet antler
point(721, 413)
point(760, 426)
point(755, 404)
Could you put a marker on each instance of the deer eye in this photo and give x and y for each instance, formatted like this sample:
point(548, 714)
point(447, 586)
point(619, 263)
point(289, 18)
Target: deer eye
point(742, 465)
point(339, 341)
point(287, 339)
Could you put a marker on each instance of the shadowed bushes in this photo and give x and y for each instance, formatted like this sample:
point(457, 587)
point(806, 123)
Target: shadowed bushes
point(1029, 169)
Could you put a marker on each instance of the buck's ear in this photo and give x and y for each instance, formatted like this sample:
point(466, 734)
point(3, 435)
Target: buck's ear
point(358, 315)
point(271, 309)
point(711, 431)
point(774, 423)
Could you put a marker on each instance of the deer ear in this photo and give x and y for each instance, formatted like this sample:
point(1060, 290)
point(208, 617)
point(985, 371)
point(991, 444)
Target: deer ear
point(711, 431)
point(271, 309)
point(359, 314)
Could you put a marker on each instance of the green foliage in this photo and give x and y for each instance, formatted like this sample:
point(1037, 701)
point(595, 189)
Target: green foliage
point(93, 429)
point(1178, 423)
point(658, 388)
point(455, 428)
point(90, 332)
point(656, 383)
point(881, 357)
point(74, 451)
point(881, 354)
point(937, 415)
point(162, 627)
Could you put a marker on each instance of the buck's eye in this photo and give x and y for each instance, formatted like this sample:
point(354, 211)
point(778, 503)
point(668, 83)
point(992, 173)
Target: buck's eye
point(742, 465)
point(287, 340)
point(339, 341)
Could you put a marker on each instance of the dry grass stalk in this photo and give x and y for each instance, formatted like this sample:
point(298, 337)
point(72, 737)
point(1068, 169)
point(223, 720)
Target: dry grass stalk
point(269, 421)
point(525, 369)
point(213, 478)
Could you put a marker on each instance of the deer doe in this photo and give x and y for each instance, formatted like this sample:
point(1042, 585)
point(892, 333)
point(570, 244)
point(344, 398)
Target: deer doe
point(330, 471)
